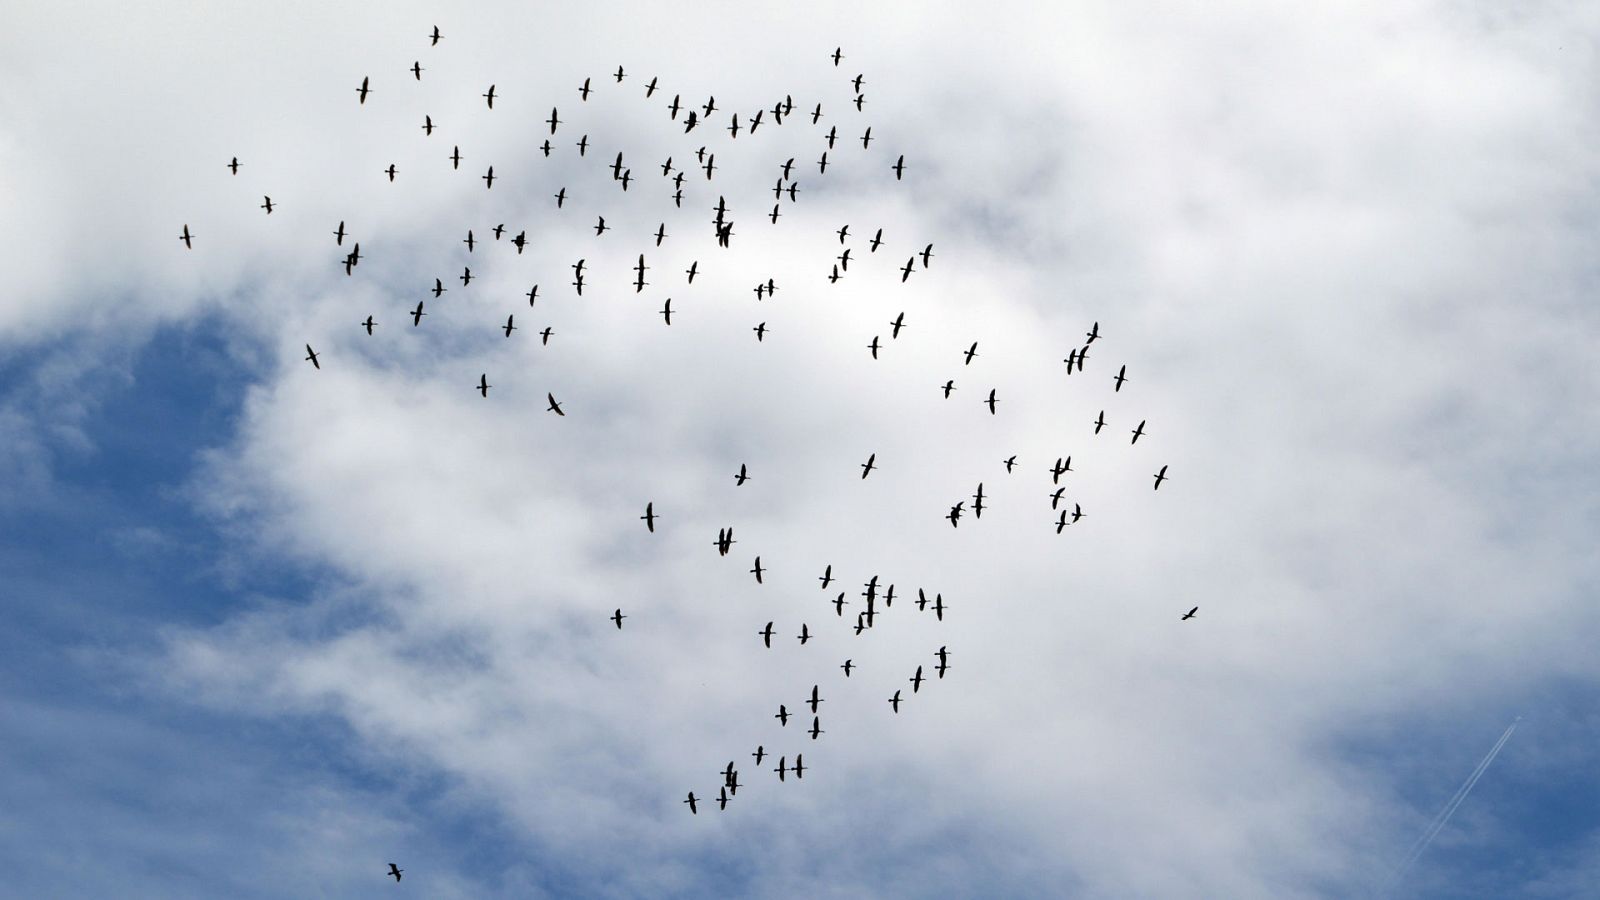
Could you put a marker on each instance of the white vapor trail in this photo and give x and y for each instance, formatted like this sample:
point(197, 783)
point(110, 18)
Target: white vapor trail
point(1444, 815)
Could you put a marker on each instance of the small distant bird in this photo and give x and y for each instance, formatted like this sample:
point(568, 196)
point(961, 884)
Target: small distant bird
point(368, 324)
point(991, 401)
point(1010, 461)
point(1092, 333)
point(362, 91)
point(827, 576)
point(311, 357)
point(742, 477)
point(1122, 375)
point(837, 55)
point(898, 323)
point(899, 167)
point(848, 665)
point(583, 92)
point(757, 571)
point(489, 96)
point(233, 164)
point(1138, 432)
point(484, 385)
point(553, 121)
point(916, 681)
point(267, 204)
point(1190, 614)
point(554, 406)
point(782, 715)
point(948, 387)
point(338, 234)
point(1160, 477)
point(417, 314)
point(436, 36)
point(488, 179)
point(866, 467)
point(649, 516)
point(894, 702)
point(874, 346)
point(617, 617)
point(416, 69)
point(927, 254)
point(805, 634)
point(866, 139)
point(876, 240)
point(187, 238)
point(692, 807)
point(760, 330)
point(427, 126)
point(905, 271)
point(395, 871)
point(1100, 421)
point(766, 638)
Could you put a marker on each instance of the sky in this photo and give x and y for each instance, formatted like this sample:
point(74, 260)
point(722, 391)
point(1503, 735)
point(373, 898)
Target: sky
point(269, 627)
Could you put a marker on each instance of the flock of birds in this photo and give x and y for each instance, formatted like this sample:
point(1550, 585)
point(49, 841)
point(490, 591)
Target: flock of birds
point(787, 187)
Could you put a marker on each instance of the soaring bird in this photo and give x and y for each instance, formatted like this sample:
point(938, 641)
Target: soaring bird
point(867, 467)
point(484, 385)
point(395, 871)
point(1160, 477)
point(617, 617)
point(649, 516)
point(554, 406)
point(1190, 614)
point(187, 238)
point(311, 357)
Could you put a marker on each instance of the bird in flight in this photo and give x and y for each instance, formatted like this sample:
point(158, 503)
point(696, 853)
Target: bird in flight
point(757, 571)
point(1190, 614)
point(438, 287)
point(876, 240)
point(338, 234)
point(816, 728)
point(1055, 497)
point(874, 346)
point(1160, 477)
point(649, 516)
point(417, 314)
point(742, 477)
point(991, 401)
point(725, 540)
point(866, 139)
point(466, 275)
point(436, 36)
point(948, 387)
point(905, 271)
point(368, 324)
point(267, 204)
point(837, 55)
point(805, 634)
point(489, 96)
point(916, 680)
point(617, 617)
point(766, 638)
point(894, 702)
point(693, 268)
point(760, 754)
point(554, 406)
point(508, 327)
point(395, 871)
point(666, 310)
point(867, 467)
point(484, 385)
point(561, 197)
point(899, 168)
point(488, 179)
point(187, 238)
point(362, 91)
point(944, 660)
point(971, 352)
point(898, 323)
point(782, 715)
point(416, 69)
point(650, 88)
point(1100, 421)
point(233, 164)
point(390, 172)
point(955, 514)
point(553, 121)
point(760, 330)
point(455, 157)
point(1122, 375)
point(1138, 432)
point(848, 665)
point(691, 801)
point(311, 357)
point(427, 126)
point(583, 92)
point(1091, 334)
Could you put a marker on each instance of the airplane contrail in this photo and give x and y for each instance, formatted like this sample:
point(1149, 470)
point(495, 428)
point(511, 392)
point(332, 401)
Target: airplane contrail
point(1444, 815)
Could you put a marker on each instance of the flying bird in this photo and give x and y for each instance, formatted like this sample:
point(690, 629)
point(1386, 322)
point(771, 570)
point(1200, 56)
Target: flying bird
point(948, 387)
point(827, 576)
point(427, 126)
point(837, 55)
point(894, 702)
point(1122, 375)
point(455, 157)
point(362, 91)
point(1010, 461)
point(867, 467)
point(916, 680)
point(390, 172)
point(898, 323)
point(617, 617)
point(267, 204)
point(905, 271)
point(692, 808)
point(395, 871)
point(927, 254)
point(489, 96)
point(1100, 421)
point(1092, 333)
point(544, 340)
point(899, 167)
point(554, 406)
point(805, 634)
point(766, 638)
point(848, 665)
point(742, 477)
point(338, 234)
point(436, 36)
point(416, 69)
point(368, 324)
point(417, 314)
point(874, 346)
point(649, 516)
point(483, 385)
point(876, 240)
point(1138, 432)
point(757, 571)
point(311, 357)
point(186, 237)
point(971, 352)
point(1160, 477)
point(991, 401)
point(488, 179)
point(1190, 614)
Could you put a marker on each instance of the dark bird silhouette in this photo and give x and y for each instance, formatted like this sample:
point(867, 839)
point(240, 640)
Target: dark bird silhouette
point(554, 406)
point(338, 234)
point(468, 240)
point(766, 638)
point(690, 121)
point(311, 357)
point(860, 99)
point(991, 401)
point(438, 287)
point(488, 179)
point(837, 55)
point(725, 541)
point(520, 241)
point(760, 330)
point(955, 514)
point(427, 126)
point(1061, 522)
point(583, 145)
point(455, 157)
point(848, 665)
point(938, 607)
point(1077, 513)
point(927, 254)
point(916, 680)
point(1061, 467)
point(711, 105)
point(1122, 375)
point(742, 477)
point(545, 146)
point(1092, 333)
point(782, 768)
point(600, 226)
point(722, 798)
point(649, 516)
point(617, 617)
point(844, 260)
point(977, 511)
point(805, 634)
point(186, 237)
point(544, 340)
point(466, 275)
point(899, 167)
point(533, 294)
point(899, 322)
point(774, 214)
point(839, 604)
point(866, 139)
point(267, 204)
point(757, 571)
point(799, 765)
point(583, 92)
point(691, 801)
point(1138, 432)
point(650, 88)
point(417, 314)
point(363, 90)
point(561, 197)
point(816, 728)
point(822, 164)
point(1010, 461)
point(905, 271)
point(1160, 477)
point(815, 698)
point(760, 754)
point(368, 324)
point(484, 385)
point(233, 165)
point(639, 270)
point(1190, 614)
point(787, 166)
point(1100, 421)
point(874, 346)
point(833, 278)
point(733, 127)
point(436, 36)
point(666, 311)
point(827, 576)
point(674, 107)
point(948, 387)
point(553, 121)
point(489, 96)
point(661, 232)
point(694, 267)
point(867, 467)
point(876, 240)
point(971, 352)
point(817, 114)
point(390, 172)
point(395, 871)
point(1055, 497)
point(416, 69)
point(782, 715)
point(894, 702)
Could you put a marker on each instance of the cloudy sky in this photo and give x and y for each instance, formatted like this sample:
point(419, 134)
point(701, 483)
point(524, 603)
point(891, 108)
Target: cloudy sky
point(269, 627)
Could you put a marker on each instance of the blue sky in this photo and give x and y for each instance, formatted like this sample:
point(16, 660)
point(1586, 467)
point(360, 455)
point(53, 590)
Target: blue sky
point(269, 628)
